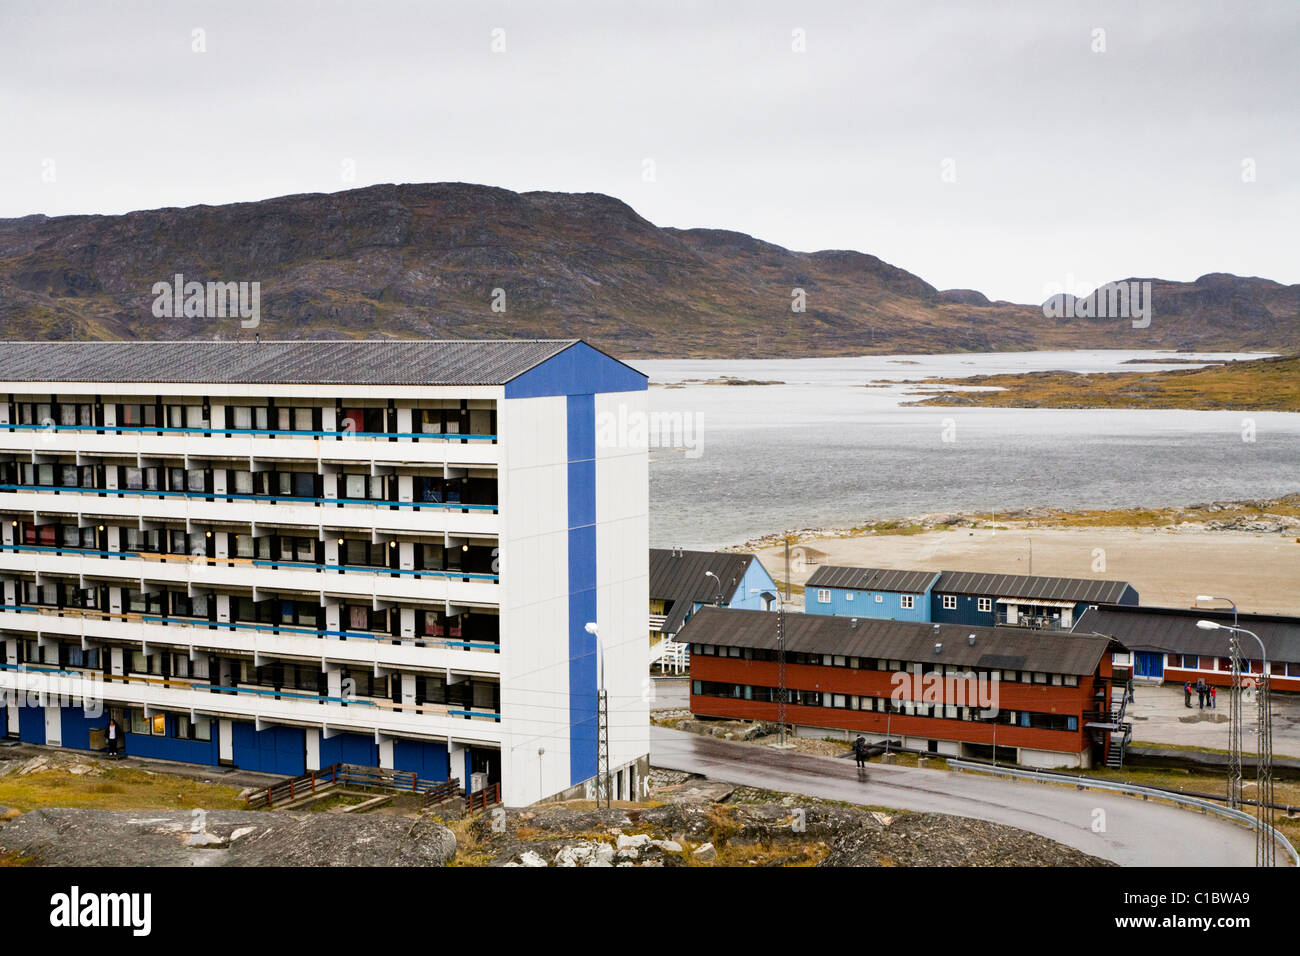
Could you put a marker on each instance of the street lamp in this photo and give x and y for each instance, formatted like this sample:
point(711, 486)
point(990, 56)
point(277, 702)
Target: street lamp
point(1202, 598)
point(718, 582)
point(1265, 849)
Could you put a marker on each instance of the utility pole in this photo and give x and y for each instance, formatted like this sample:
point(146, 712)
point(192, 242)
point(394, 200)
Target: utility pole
point(602, 752)
point(1266, 845)
point(780, 671)
point(602, 723)
point(1265, 838)
point(1234, 726)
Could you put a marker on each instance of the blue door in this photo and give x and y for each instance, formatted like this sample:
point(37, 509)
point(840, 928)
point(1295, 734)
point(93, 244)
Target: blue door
point(1148, 664)
point(31, 725)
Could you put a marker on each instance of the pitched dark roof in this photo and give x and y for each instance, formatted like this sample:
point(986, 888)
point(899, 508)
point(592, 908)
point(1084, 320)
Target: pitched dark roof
point(678, 576)
point(346, 362)
point(1090, 590)
point(1174, 631)
point(871, 579)
point(1000, 648)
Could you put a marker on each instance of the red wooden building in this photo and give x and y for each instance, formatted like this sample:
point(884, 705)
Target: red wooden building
point(1043, 698)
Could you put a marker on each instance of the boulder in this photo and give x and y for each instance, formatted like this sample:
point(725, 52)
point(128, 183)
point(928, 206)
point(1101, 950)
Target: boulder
point(705, 853)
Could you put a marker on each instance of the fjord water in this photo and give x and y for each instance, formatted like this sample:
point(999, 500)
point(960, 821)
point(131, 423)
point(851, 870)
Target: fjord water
point(822, 451)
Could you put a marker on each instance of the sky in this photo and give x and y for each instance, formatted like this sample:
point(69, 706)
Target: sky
point(1015, 148)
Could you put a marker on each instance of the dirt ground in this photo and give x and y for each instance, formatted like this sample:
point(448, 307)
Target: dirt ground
point(1261, 572)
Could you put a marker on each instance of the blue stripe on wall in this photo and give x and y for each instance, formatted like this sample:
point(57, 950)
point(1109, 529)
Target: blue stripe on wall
point(581, 410)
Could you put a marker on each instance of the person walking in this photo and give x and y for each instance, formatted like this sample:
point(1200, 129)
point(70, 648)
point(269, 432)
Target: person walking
point(1187, 693)
point(860, 752)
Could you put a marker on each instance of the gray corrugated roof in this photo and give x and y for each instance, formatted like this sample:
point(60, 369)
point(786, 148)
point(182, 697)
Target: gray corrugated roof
point(1174, 631)
point(1090, 590)
point(999, 648)
point(871, 579)
point(678, 577)
point(346, 362)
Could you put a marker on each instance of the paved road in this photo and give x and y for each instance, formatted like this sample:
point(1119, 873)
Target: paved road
point(1137, 833)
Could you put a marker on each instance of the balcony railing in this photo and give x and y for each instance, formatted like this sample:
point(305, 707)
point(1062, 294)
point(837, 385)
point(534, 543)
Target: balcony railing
point(337, 435)
point(446, 574)
point(105, 681)
point(269, 499)
point(203, 624)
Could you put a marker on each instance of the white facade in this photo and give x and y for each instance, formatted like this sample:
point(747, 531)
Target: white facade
point(432, 634)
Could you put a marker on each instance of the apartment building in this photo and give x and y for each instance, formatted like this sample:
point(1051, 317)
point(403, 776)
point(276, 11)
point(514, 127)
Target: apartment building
point(282, 555)
point(1039, 698)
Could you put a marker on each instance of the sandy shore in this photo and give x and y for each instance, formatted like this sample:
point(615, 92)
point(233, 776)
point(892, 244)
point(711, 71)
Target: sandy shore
point(1261, 572)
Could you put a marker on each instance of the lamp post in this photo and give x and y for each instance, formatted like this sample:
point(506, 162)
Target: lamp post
point(1234, 706)
point(1265, 847)
point(718, 583)
point(780, 667)
point(602, 721)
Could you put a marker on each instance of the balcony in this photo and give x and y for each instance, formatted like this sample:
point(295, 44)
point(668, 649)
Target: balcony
point(247, 703)
point(393, 448)
point(324, 515)
point(379, 584)
point(262, 640)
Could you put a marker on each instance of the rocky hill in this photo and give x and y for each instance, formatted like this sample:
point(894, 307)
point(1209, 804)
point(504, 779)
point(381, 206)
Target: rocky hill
point(426, 260)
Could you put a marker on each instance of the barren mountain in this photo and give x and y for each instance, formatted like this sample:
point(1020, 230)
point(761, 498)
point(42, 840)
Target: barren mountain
point(428, 260)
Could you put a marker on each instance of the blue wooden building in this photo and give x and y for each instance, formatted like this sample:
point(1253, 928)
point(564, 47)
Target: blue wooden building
point(960, 597)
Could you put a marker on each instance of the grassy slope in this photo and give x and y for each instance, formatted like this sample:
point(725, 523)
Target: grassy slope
point(1261, 385)
point(117, 789)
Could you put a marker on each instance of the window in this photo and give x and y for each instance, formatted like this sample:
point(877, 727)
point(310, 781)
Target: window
point(823, 596)
point(848, 595)
point(950, 602)
point(906, 602)
point(880, 599)
point(986, 604)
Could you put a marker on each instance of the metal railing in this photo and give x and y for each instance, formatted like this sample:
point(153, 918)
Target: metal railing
point(1146, 793)
point(317, 781)
point(225, 432)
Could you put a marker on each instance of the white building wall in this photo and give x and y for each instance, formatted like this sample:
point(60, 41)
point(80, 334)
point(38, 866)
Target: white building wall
point(534, 595)
point(622, 572)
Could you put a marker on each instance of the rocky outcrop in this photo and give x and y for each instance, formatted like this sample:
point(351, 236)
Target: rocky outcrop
point(62, 837)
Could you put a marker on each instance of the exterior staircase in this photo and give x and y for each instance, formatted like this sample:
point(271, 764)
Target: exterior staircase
point(1110, 724)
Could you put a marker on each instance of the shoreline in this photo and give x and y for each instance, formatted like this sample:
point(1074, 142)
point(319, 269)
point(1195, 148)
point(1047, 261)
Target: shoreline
point(1249, 551)
point(1256, 516)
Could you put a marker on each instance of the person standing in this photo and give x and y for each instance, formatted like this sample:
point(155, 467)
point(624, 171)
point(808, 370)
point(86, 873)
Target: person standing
point(1201, 691)
point(112, 737)
point(1187, 693)
point(1214, 696)
point(860, 752)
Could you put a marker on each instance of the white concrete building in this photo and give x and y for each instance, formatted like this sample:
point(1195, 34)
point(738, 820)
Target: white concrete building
point(282, 555)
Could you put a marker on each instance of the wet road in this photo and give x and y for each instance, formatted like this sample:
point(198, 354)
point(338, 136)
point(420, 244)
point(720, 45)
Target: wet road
point(1136, 833)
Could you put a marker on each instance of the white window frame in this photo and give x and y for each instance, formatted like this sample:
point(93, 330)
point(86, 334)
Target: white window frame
point(823, 596)
point(986, 604)
point(950, 602)
point(907, 602)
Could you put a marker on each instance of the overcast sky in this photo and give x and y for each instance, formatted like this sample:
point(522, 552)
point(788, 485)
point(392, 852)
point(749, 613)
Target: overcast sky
point(985, 145)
